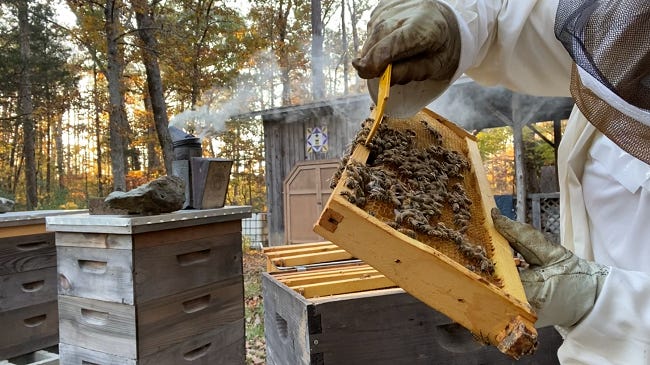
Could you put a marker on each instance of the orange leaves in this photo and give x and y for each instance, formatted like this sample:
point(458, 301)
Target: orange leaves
point(135, 179)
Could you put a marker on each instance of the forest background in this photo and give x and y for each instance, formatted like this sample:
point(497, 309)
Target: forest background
point(88, 88)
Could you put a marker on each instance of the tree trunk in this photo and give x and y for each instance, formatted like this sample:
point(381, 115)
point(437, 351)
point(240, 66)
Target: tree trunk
point(154, 81)
point(195, 87)
point(6, 178)
point(153, 160)
point(286, 85)
point(48, 153)
point(283, 53)
point(58, 142)
point(354, 21)
point(344, 47)
point(48, 138)
point(14, 167)
point(318, 79)
point(356, 7)
point(118, 124)
point(19, 169)
point(98, 129)
point(26, 107)
point(199, 46)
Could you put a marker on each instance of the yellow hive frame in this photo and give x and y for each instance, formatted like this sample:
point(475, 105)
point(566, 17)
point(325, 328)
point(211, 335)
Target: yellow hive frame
point(338, 273)
point(500, 316)
point(279, 258)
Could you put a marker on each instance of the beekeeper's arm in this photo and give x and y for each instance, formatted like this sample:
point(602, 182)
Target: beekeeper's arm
point(432, 43)
point(604, 310)
point(561, 287)
point(512, 43)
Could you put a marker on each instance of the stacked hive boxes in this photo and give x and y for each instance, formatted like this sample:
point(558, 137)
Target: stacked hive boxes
point(165, 289)
point(28, 310)
point(317, 313)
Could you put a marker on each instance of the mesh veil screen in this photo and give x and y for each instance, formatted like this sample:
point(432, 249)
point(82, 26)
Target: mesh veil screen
point(610, 39)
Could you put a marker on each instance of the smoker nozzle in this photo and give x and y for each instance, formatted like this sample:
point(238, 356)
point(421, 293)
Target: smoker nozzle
point(185, 145)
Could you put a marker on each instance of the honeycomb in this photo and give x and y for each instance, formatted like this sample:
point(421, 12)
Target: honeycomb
point(418, 179)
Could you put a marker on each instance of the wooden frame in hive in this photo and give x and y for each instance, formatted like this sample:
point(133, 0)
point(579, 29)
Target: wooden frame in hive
point(492, 306)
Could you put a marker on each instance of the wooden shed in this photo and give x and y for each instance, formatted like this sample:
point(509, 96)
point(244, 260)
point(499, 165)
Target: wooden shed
point(323, 130)
point(315, 131)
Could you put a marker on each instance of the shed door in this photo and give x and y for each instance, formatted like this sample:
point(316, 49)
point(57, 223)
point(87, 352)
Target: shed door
point(306, 191)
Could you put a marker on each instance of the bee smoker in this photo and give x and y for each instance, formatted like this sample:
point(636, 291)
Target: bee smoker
point(206, 179)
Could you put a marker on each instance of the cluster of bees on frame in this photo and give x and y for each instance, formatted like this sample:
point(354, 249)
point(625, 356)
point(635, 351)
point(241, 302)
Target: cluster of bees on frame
point(417, 183)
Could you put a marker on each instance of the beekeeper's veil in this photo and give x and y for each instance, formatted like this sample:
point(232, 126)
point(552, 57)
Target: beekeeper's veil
point(609, 41)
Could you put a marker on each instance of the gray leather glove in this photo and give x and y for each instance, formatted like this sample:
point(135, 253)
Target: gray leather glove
point(419, 37)
point(560, 286)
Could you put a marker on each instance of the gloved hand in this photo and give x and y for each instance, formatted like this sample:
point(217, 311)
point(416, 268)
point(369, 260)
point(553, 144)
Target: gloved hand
point(560, 286)
point(419, 37)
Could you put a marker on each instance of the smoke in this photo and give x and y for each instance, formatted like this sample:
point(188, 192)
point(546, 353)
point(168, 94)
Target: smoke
point(210, 119)
point(476, 107)
point(464, 104)
point(220, 104)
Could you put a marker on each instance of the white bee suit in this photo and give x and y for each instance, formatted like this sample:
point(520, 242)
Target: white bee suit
point(512, 43)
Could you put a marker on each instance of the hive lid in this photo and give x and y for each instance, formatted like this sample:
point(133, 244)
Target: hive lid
point(128, 224)
point(12, 219)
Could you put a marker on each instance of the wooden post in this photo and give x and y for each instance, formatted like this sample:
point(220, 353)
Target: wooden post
point(557, 138)
point(536, 212)
point(520, 171)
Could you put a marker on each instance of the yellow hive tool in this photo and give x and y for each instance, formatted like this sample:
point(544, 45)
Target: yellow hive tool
point(382, 95)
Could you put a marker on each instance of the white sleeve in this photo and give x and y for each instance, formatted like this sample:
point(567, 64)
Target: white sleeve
point(512, 44)
point(617, 330)
point(506, 43)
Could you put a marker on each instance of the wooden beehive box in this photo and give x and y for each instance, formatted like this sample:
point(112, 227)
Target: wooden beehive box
point(295, 257)
point(164, 289)
point(448, 273)
point(28, 309)
point(325, 312)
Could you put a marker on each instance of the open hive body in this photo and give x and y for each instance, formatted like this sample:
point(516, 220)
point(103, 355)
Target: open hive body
point(488, 300)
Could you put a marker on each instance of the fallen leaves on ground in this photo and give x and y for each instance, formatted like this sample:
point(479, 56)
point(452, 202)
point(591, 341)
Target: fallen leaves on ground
point(254, 263)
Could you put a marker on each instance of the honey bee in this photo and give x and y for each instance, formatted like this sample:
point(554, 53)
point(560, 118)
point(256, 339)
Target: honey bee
point(418, 185)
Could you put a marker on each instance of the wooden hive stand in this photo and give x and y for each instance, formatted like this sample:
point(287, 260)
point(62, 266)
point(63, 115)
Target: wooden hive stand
point(493, 308)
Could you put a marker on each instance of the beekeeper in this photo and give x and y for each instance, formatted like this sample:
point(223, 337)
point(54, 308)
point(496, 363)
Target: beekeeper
point(599, 53)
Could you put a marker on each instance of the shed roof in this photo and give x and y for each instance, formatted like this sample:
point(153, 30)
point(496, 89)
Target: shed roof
point(475, 107)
